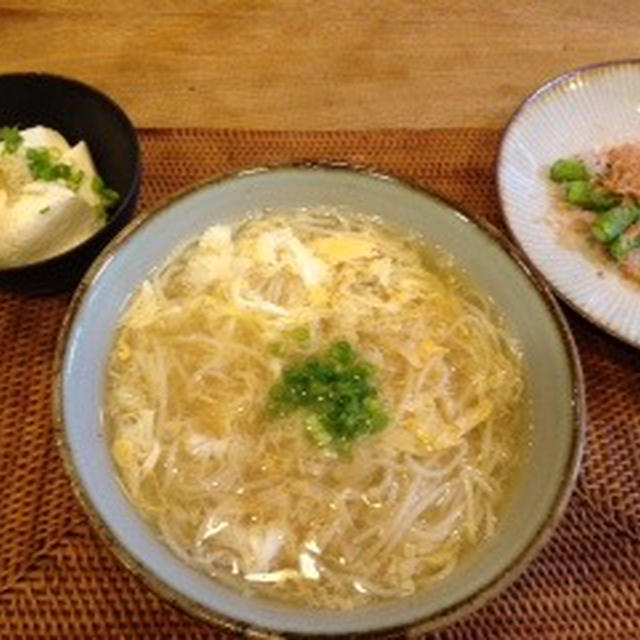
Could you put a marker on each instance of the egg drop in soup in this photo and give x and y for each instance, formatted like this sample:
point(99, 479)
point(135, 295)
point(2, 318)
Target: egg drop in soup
point(314, 407)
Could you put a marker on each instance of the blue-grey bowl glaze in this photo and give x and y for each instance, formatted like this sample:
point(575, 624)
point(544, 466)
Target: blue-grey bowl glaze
point(551, 367)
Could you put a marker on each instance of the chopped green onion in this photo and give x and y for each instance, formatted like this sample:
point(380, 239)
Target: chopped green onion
point(300, 334)
point(342, 352)
point(317, 432)
point(337, 389)
point(43, 166)
point(75, 179)
point(276, 349)
point(108, 197)
point(11, 137)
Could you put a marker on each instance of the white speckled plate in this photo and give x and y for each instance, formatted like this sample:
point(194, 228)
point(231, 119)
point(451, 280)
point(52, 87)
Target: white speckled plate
point(581, 111)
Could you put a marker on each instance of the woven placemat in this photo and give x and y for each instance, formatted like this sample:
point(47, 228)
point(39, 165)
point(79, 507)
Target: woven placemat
point(57, 580)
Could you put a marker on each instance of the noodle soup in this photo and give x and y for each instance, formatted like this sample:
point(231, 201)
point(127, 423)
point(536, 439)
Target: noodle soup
point(313, 407)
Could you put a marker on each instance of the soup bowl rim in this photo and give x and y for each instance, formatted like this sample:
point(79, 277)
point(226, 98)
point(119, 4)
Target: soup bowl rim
point(441, 618)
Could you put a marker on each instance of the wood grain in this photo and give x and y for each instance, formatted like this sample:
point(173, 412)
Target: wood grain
point(311, 64)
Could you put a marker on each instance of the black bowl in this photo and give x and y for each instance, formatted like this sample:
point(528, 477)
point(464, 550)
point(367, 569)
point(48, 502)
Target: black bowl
point(79, 112)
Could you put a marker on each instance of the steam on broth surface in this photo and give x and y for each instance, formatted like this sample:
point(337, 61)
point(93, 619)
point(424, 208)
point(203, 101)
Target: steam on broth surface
point(427, 410)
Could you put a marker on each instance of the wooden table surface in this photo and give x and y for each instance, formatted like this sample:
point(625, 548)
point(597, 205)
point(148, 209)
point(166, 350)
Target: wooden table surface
point(315, 64)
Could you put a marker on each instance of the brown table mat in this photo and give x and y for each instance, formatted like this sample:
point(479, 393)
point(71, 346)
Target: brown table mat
point(57, 580)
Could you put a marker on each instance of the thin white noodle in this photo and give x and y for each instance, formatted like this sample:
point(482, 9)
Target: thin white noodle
point(195, 445)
